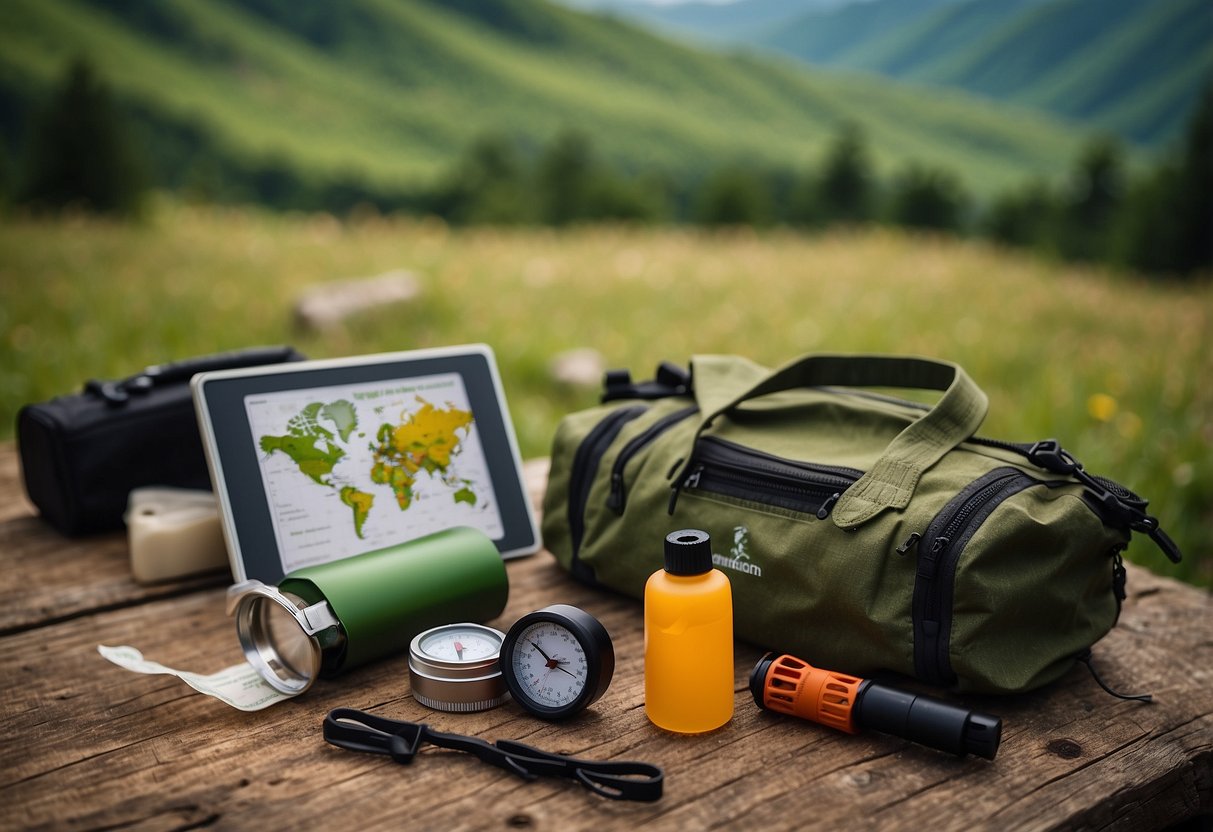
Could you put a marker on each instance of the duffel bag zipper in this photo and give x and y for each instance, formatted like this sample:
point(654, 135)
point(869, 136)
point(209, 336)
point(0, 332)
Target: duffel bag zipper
point(939, 551)
point(617, 500)
point(724, 467)
point(1114, 502)
point(581, 475)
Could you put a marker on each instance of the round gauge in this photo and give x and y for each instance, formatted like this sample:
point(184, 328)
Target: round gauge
point(557, 660)
point(456, 667)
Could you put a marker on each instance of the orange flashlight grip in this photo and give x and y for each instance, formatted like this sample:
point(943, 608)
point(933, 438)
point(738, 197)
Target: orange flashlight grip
point(795, 687)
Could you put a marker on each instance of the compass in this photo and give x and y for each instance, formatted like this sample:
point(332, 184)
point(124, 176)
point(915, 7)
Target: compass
point(557, 660)
point(455, 667)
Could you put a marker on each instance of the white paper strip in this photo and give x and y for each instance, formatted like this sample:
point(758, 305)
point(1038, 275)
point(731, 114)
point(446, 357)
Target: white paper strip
point(239, 686)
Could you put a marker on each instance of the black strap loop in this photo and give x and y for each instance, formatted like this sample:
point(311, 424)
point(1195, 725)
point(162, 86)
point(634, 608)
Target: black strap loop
point(355, 730)
point(1085, 658)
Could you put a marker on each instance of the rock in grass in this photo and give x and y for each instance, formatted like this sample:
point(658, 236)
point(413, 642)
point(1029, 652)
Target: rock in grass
point(578, 368)
point(325, 305)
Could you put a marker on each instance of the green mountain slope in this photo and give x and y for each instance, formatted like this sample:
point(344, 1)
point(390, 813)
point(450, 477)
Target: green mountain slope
point(390, 91)
point(830, 37)
point(697, 20)
point(1133, 67)
point(936, 35)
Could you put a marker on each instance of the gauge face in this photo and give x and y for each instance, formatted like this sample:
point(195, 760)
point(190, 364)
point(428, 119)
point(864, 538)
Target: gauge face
point(557, 660)
point(460, 643)
point(550, 664)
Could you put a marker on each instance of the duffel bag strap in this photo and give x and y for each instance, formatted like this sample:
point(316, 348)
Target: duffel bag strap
point(892, 480)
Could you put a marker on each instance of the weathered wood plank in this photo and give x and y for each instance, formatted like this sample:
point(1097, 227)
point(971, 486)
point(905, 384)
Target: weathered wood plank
point(14, 502)
point(46, 577)
point(87, 744)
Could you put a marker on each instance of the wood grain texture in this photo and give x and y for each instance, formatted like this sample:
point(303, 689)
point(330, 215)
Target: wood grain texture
point(12, 486)
point(86, 744)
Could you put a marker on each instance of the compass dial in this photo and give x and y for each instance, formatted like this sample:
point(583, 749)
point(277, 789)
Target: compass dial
point(456, 667)
point(460, 643)
point(557, 660)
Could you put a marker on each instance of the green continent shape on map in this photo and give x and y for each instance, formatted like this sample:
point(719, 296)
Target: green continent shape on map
point(360, 502)
point(466, 494)
point(425, 440)
point(342, 414)
point(308, 444)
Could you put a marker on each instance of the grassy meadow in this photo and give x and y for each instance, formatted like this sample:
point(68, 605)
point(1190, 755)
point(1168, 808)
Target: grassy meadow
point(1116, 366)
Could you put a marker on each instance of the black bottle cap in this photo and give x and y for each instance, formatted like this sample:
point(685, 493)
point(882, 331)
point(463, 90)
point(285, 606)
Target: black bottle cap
point(688, 552)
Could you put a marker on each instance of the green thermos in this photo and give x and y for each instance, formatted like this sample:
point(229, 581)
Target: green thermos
point(322, 620)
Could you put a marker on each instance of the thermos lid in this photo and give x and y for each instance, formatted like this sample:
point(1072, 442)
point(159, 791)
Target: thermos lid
point(688, 552)
point(281, 634)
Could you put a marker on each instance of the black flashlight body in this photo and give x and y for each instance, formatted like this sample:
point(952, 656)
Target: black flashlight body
point(792, 686)
point(927, 721)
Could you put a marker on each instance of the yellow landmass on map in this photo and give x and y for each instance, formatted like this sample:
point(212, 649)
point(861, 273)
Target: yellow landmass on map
point(425, 440)
point(360, 503)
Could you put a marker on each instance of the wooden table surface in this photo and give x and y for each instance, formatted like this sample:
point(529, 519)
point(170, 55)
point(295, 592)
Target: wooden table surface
point(86, 744)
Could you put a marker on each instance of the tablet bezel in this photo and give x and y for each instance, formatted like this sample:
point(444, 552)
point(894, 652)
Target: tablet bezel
point(232, 456)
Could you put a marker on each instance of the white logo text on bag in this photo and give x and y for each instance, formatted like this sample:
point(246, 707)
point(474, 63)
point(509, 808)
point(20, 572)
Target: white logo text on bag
point(739, 557)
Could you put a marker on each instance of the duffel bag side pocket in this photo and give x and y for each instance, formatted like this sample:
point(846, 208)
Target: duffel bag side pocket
point(576, 435)
point(1033, 587)
point(622, 520)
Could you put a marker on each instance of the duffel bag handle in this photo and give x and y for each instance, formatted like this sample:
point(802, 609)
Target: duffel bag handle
point(891, 481)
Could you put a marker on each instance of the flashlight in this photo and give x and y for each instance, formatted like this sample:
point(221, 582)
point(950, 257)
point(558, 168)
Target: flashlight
point(323, 620)
point(792, 686)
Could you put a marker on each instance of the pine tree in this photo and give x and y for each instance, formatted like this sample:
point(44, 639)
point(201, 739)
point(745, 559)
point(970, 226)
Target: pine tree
point(488, 185)
point(1167, 221)
point(79, 153)
point(1193, 199)
point(565, 178)
point(733, 196)
point(845, 190)
point(6, 175)
point(926, 197)
point(1021, 217)
point(1097, 189)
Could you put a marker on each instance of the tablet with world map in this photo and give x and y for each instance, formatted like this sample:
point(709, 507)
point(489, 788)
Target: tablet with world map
point(316, 461)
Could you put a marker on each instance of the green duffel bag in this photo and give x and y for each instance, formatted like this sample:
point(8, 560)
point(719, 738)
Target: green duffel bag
point(860, 532)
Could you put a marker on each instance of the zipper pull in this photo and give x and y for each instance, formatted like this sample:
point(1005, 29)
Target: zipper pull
point(928, 563)
point(615, 499)
point(690, 481)
point(824, 511)
point(911, 542)
point(1119, 578)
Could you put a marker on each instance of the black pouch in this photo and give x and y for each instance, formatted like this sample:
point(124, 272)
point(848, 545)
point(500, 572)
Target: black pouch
point(81, 455)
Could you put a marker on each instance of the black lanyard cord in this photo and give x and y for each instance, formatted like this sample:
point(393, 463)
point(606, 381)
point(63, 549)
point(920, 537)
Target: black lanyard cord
point(355, 730)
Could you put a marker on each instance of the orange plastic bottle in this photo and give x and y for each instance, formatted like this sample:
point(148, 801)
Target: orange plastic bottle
point(688, 638)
